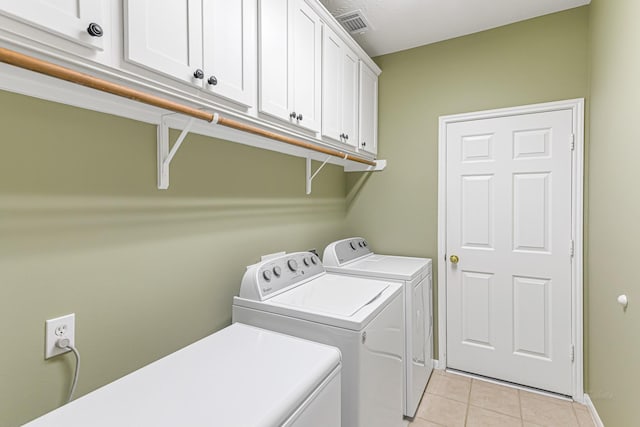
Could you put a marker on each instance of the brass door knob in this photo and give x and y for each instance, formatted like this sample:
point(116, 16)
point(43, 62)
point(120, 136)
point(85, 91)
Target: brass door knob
point(454, 259)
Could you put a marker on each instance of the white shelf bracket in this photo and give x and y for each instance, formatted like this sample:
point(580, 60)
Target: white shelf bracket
point(165, 155)
point(311, 176)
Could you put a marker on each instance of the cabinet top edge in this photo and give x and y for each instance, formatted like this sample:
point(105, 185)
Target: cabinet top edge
point(330, 20)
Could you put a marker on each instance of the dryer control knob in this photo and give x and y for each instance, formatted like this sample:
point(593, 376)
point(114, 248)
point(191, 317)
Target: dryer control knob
point(293, 265)
point(267, 275)
point(306, 261)
point(361, 244)
point(353, 245)
point(277, 271)
point(314, 260)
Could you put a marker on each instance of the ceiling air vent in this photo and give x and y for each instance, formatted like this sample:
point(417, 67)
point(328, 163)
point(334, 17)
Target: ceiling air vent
point(354, 22)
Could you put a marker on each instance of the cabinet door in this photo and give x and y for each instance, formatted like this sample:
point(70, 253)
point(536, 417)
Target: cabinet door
point(69, 19)
point(166, 36)
point(273, 51)
point(331, 85)
point(368, 128)
point(306, 42)
point(349, 93)
point(229, 48)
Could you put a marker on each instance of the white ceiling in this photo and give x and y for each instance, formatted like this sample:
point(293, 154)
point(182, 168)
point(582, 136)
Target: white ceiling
point(403, 24)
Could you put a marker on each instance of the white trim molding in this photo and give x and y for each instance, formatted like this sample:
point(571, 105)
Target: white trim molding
point(592, 410)
point(577, 194)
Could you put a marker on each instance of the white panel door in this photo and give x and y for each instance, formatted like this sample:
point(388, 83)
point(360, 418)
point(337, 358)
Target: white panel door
point(306, 44)
point(273, 50)
point(368, 100)
point(69, 18)
point(509, 222)
point(229, 48)
point(166, 36)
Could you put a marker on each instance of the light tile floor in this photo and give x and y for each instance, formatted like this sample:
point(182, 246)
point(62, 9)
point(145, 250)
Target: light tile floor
point(455, 400)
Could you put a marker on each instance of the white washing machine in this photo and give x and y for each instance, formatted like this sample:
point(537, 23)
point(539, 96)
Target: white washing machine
point(293, 294)
point(353, 257)
point(240, 376)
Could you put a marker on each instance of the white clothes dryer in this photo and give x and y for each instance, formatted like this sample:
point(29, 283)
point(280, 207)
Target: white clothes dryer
point(353, 257)
point(241, 376)
point(293, 294)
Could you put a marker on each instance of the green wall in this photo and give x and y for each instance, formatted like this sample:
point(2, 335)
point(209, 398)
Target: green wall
point(539, 60)
point(83, 229)
point(614, 211)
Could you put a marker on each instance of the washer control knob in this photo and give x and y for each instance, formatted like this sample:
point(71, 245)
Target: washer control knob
point(277, 271)
point(292, 264)
point(361, 244)
point(314, 260)
point(364, 242)
point(353, 245)
point(307, 261)
point(267, 275)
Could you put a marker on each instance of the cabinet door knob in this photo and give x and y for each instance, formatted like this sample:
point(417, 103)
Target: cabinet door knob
point(212, 81)
point(198, 74)
point(94, 30)
point(299, 118)
point(346, 136)
point(364, 143)
point(292, 115)
point(342, 135)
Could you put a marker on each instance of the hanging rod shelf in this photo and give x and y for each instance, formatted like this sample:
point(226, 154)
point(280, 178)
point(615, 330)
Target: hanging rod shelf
point(197, 118)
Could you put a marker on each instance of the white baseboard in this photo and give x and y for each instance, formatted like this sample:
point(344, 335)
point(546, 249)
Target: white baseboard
point(437, 365)
point(592, 410)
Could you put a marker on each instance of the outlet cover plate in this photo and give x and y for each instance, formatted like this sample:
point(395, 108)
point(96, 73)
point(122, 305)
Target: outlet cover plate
point(60, 327)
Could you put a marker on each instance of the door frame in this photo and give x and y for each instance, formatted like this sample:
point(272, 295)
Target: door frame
point(577, 208)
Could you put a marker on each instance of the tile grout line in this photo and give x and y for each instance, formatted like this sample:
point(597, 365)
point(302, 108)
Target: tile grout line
point(466, 414)
point(520, 405)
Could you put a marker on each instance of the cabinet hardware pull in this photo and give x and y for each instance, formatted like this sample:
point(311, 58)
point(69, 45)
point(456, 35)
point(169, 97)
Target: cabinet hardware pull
point(212, 81)
point(292, 115)
point(364, 143)
point(198, 74)
point(299, 118)
point(94, 30)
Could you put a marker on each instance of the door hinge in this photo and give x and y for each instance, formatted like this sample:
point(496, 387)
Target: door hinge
point(573, 353)
point(572, 250)
point(572, 143)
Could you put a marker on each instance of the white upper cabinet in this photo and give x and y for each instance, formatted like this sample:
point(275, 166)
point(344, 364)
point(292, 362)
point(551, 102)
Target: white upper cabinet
point(339, 90)
point(166, 36)
point(207, 43)
point(229, 33)
point(289, 62)
point(368, 128)
point(273, 51)
point(80, 21)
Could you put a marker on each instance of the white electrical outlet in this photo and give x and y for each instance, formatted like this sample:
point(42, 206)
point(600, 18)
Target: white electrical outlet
point(59, 328)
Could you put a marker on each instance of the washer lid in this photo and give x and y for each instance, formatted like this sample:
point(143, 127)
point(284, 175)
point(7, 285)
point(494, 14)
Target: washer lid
point(333, 294)
point(240, 374)
point(386, 266)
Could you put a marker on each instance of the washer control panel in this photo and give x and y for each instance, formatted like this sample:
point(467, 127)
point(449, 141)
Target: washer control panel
point(350, 249)
point(271, 276)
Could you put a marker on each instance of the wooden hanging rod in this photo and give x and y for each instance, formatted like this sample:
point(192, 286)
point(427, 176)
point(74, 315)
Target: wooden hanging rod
point(39, 66)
